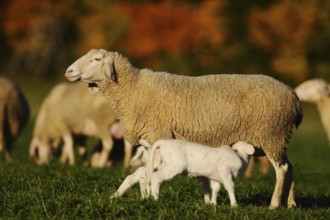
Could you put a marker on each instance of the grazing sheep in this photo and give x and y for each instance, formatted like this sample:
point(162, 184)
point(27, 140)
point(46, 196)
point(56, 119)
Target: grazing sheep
point(213, 110)
point(14, 115)
point(219, 165)
point(317, 91)
point(69, 110)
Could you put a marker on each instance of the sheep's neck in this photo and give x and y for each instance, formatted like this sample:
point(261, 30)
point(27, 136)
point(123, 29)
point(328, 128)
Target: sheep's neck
point(324, 109)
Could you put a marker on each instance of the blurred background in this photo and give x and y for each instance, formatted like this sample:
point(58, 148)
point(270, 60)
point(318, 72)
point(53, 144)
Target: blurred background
point(287, 39)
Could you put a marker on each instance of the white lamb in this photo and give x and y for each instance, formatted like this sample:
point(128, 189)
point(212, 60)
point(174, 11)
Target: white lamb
point(219, 165)
point(139, 161)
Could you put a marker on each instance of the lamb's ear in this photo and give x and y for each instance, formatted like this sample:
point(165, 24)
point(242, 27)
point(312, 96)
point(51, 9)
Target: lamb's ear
point(109, 68)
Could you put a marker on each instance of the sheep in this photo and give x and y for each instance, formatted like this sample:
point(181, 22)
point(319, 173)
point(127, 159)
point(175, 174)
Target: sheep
point(264, 166)
point(213, 110)
point(69, 110)
point(14, 115)
point(219, 165)
point(317, 91)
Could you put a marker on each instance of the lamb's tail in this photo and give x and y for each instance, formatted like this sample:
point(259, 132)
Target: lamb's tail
point(299, 111)
point(150, 163)
point(144, 143)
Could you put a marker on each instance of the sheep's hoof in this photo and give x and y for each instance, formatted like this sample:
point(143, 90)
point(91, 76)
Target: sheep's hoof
point(292, 205)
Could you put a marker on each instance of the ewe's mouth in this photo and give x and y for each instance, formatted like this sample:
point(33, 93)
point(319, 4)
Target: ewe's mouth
point(73, 78)
point(93, 88)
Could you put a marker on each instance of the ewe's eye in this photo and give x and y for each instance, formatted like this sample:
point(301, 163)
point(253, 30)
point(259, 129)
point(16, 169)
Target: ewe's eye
point(97, 59)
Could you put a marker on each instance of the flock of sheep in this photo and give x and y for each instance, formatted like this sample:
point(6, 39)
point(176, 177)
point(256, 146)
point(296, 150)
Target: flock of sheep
point(218, 120)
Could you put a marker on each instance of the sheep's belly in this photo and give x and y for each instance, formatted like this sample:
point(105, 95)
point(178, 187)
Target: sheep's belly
point(89, 127)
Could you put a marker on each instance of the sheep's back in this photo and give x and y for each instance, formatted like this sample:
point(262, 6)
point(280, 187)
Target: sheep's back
point(219, 109)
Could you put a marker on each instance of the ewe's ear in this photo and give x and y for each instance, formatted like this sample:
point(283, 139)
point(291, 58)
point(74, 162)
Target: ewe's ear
point(109, 69)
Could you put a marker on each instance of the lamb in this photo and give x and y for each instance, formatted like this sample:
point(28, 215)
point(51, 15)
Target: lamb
point(219, 165)
point(69, 110)
point(213, 110)
point(139, 161)
point(14, 115)
point(317, 91)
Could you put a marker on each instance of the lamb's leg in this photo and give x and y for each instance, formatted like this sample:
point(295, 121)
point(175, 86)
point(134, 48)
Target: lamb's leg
point(129, 181)
point(229, 186)
point(68, 149)
point(215, 186)
point(164, 173)
point(284, 184)
point(128, 154)
point(205, 184)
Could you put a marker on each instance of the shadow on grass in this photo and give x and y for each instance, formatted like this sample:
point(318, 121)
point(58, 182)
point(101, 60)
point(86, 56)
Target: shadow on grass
point(306, 202)
point(312, 202)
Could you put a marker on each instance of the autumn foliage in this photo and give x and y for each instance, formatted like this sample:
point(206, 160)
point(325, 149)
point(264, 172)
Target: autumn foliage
point(184, 35)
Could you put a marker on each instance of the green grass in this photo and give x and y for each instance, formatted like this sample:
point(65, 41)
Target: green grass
point(55, 191)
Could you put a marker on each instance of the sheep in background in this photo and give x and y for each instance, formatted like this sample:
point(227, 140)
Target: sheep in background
point(219, 165)
point(317, 91)
point(213, 110)
point(69, 110)
point(264, 166)
point(14, 115)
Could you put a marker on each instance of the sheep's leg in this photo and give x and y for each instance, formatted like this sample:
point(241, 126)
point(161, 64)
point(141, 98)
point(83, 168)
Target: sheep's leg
point(164, 173)
point(289, 187)
point(128, 154)
point(229, 186)
point(264, 165)
point(249, 170)
point(129, 181)
point(68, 150)
point(215, 186)
point(105, 153)
point(283, 177)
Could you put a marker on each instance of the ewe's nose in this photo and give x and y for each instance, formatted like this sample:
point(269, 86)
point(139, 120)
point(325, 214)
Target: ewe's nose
point(69, 72)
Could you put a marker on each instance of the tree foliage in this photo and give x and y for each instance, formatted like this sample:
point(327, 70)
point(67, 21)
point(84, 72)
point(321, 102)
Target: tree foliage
point(284, 37)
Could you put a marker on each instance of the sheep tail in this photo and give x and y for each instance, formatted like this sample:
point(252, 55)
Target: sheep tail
point(299, 112)
point(150, 163)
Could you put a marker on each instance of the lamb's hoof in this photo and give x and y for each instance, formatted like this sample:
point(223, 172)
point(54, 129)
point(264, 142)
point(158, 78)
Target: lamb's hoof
point(115, 195)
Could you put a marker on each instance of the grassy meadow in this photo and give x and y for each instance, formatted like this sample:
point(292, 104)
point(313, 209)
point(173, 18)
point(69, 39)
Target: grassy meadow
point(58, 191)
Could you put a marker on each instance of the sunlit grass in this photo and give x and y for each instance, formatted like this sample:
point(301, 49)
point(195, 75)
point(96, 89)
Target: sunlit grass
point(58, 191)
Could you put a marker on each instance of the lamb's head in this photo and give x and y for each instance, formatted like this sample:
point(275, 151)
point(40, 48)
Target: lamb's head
point(93, 68)
point(243, 149)
point(140, 158)
point(313, 90)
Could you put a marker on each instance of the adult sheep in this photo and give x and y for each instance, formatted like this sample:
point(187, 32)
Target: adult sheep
point(70, 111)
point(14, 115)
point(213, 110)
point(317, 91)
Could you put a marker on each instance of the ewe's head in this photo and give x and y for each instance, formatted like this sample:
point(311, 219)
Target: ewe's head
point(313, 90)
point(93, 68)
